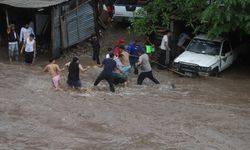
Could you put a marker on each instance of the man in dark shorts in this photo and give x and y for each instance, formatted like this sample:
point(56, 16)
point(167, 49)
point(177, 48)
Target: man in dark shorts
point(109, 66)
point(74, 68)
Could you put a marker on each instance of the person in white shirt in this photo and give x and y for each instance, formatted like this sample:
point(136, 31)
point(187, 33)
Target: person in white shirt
point(25, 33)
point(32, 25)
point(164, 58)
point(29, 48)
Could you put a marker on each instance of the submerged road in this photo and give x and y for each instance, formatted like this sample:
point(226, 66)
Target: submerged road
point(178, 114)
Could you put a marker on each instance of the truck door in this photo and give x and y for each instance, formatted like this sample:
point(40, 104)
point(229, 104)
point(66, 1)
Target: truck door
point(226, 55)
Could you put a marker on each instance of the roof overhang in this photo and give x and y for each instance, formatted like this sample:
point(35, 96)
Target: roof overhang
point(32, 3)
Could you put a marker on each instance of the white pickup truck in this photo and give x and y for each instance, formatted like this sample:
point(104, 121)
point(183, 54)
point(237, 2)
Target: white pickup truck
point(204, 56)
point(126, 9)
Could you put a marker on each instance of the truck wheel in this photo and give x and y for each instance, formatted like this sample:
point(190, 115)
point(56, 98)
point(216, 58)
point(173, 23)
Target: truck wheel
point(215, 72)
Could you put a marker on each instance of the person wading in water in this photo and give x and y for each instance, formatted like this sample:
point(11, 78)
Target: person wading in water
point(54, 70)
point(74, 68)
point(109, 66)
point(145, 68)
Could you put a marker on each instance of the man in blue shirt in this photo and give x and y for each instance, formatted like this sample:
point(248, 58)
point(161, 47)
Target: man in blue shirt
point(134, 48)
point(109, 66)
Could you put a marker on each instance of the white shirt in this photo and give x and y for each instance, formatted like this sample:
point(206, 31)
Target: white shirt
point(29, 45)
point(164, 42)
point(32, 25)
point(25, 33)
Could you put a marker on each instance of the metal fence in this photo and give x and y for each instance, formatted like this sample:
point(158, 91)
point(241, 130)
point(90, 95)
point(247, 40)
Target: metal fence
point(77, 25)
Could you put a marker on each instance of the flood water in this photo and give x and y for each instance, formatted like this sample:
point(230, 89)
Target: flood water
point(179, 114)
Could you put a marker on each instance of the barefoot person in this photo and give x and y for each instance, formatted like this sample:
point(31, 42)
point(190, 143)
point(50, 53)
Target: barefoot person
point(109, 65)
point(74, 68)
point(145, 68)
point(54, 70)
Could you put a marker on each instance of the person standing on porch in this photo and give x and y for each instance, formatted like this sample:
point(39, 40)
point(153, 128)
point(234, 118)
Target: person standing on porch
point(13, 43)
point(25, 32)
point(164, 58)
point(29, 48)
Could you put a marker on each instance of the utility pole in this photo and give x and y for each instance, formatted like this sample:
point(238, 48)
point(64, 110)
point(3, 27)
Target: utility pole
point(7, 17)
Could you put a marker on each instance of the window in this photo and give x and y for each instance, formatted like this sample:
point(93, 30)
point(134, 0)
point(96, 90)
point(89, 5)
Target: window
point(226, 47)
point(204, 47)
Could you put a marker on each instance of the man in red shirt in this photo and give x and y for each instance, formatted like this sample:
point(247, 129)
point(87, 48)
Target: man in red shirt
point(120, 43)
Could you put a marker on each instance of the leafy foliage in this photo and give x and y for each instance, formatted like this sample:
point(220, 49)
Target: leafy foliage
point(214, 17)
point(227, 16)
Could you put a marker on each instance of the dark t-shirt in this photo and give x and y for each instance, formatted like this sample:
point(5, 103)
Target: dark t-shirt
point(12, 37)
point(109, 65)
point(95, 43)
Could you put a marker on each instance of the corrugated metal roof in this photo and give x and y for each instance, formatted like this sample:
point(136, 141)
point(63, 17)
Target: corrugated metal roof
point(32, 3)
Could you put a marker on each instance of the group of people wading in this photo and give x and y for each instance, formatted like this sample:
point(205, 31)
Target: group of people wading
point(119, 61)
point(117, 65)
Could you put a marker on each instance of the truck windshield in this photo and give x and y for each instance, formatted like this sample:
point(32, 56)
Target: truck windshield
point(204, 47)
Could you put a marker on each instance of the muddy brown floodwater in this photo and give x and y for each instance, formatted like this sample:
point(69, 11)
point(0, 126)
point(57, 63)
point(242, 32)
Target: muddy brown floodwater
point(179, 114)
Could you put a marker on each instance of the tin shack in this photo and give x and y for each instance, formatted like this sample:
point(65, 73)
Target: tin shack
point(58, 24)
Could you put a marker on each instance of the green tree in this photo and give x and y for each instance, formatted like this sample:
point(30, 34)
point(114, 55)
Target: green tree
point(214, 17)
point(225, 16)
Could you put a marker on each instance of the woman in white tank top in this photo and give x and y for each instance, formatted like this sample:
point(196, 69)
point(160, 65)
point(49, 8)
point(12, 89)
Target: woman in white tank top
point(29, 49)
